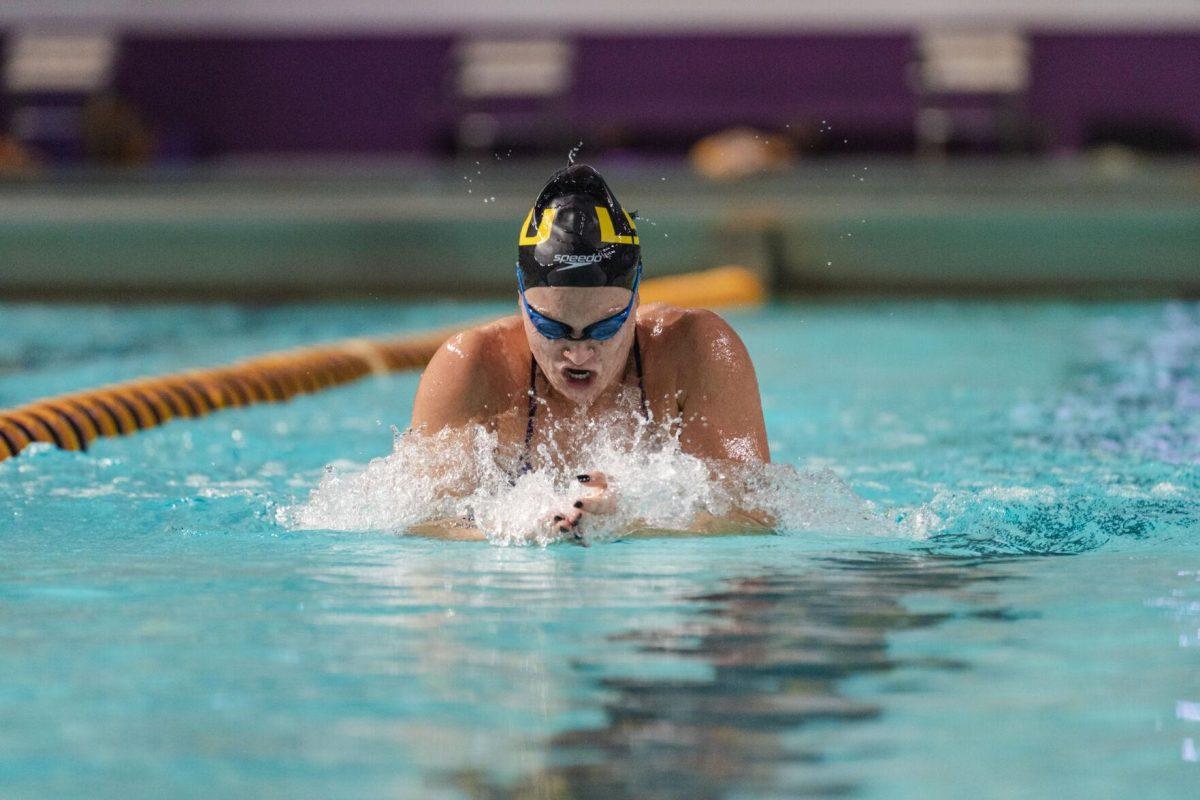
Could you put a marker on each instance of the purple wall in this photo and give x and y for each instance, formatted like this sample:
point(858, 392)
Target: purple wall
point(1078, 81)
point(705, 82)
point(5, 100)
point(213, 95)
point(219, 95)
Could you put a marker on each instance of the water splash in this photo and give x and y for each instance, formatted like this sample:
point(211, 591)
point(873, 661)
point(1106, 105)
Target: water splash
point(467, 475)
point(573, 153)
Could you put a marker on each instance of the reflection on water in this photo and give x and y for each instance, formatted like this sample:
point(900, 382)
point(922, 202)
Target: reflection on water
point(778, 645)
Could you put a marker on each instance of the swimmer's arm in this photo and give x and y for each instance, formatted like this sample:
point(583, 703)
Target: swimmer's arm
point(454, 387)
point(721, 410)
point(450, 401)
point(704, 525)
point(722, 417)
point(453, 529)
point(738, 520)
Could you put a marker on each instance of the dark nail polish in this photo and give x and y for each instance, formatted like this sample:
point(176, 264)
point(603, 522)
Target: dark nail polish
point(579, 504)
point(583, 478)
point(558, 518)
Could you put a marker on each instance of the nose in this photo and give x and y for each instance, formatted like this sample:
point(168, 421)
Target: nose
point(578, 353)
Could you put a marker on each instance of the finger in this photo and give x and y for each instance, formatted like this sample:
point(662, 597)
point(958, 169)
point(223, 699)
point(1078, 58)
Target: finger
point(593, 480)
point(573, 518)
point(573, 535)
point(597, 503)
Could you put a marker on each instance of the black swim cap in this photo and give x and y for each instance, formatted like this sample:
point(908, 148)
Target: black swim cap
point(577, 234)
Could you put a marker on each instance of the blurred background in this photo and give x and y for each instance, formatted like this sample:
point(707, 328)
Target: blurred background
point(268, 150)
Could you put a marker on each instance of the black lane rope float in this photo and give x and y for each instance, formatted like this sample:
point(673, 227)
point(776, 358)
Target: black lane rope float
point(73, 421)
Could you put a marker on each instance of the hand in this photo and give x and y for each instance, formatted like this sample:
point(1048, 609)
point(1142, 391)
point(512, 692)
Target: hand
point(597, 497)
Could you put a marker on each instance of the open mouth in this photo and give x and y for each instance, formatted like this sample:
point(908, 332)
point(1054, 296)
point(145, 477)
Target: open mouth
point(578, 378)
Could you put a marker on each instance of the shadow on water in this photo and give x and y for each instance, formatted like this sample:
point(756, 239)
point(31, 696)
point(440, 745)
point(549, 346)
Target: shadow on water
point(779, 644)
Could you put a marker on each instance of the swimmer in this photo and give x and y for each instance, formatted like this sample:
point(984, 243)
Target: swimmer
point(581, 349)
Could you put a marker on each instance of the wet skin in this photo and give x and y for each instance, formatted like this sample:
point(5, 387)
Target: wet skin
point(699, 381)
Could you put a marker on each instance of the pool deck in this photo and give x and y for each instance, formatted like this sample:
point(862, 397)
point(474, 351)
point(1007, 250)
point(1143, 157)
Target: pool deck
point(1098, 226)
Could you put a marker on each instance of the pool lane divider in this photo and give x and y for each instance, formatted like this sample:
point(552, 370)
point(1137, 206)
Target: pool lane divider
point(72, 421)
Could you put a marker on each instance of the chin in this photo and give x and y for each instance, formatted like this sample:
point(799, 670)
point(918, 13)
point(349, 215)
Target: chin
point(579, 395)
point(581, 389)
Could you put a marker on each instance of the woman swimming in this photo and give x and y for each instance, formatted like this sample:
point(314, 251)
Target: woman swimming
point(581, 349)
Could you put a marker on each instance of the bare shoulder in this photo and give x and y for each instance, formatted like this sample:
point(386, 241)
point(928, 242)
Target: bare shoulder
point(466, 374)
point(477, 347)
point(691, 332)
point(717, 389)
point(675, 320)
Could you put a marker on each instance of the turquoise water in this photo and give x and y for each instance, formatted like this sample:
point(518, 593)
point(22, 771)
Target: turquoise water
point(1032, 629)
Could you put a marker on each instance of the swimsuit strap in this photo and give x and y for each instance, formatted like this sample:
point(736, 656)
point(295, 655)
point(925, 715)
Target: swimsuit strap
point(526, 465)
point(637, 363)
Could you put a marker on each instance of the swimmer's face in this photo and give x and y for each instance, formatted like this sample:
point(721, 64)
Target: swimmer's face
point(580, 371)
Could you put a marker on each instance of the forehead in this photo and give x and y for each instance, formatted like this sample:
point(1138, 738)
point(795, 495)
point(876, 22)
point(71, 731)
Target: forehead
point(578, 303)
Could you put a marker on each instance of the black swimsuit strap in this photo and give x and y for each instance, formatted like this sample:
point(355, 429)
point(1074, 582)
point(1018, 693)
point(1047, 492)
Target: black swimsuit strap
point(637, 363)
point(526, 465)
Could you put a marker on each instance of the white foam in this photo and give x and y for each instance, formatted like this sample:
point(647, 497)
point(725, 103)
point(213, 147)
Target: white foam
point(658, 486)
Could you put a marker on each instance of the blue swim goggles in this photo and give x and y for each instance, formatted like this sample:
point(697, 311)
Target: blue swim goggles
point(601, 330)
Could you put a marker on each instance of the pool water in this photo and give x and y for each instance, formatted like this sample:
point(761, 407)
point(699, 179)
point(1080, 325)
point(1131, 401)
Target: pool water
point(1026, 625)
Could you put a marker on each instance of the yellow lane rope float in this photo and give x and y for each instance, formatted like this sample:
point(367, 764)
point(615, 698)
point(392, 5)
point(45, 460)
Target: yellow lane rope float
point(72, 421)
